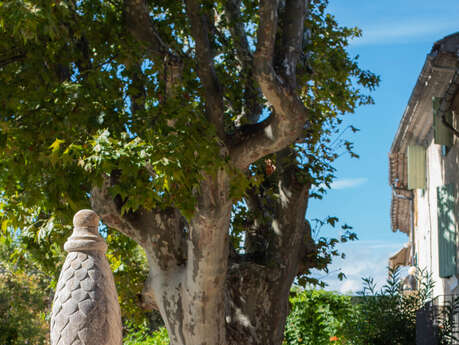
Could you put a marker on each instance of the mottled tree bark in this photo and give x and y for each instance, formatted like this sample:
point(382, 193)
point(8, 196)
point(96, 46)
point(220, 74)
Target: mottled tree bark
point(204, 294)
point(259, 290)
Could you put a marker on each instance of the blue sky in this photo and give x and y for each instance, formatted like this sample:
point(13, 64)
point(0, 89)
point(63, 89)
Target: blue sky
point(397, 35)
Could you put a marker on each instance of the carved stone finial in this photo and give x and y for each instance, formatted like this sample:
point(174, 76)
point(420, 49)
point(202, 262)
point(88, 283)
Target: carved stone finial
point(86, 218)
point(85, 308)
point(85, 234)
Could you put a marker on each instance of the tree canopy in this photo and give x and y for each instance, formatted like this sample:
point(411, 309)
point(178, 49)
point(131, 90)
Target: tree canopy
point(195, 128)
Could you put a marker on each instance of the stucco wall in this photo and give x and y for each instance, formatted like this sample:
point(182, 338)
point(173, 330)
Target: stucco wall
point(441, 169)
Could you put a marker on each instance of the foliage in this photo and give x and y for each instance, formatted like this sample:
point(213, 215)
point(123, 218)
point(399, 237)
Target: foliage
point(142, 336)
point(24, 299)
point(378, 317)
point(317, 317)
point(69, 113)
point(81, 100)
point(70, 110)
point(90, 125)
point(126, 259)
point(129, 267)
point(388, 316)
point(326, 248)
point(446, 329)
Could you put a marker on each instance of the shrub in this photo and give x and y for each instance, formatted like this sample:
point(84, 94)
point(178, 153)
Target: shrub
point(24, 301)
point(388, 316)
point(25, 298)
point(142, 336)
point(317, 317)
point(375, 317)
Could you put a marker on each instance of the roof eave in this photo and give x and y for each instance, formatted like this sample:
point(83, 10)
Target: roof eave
point(437, 72)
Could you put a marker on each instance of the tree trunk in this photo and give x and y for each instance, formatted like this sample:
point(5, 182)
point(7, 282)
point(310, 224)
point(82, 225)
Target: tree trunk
point(206, 293)
point(258, 293)
point(191, 295)
point(214, 297)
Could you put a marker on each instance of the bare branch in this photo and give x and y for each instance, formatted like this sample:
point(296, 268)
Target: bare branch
point(252, 94)
point(7, 61)
point(289, 114)
point(211, 88)
point(279, 130)
point(236, 26)
point(140, 25)
point(159, 232)
point(137, 89)
point(292, 38)
point(109, 211)
point(266, 34)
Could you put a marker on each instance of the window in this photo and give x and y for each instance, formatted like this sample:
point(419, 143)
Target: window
point(446, 230)
point(416, 166)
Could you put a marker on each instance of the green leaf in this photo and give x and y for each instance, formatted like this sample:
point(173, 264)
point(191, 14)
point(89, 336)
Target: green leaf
point(5, 225)
point(56, 145)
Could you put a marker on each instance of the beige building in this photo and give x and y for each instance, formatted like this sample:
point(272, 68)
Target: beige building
point(424, 170)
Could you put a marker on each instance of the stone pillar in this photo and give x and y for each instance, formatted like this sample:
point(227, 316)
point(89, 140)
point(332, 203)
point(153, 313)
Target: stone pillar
point(85, 308)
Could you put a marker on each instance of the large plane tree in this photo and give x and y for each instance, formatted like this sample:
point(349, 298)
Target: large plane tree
point(195, 128)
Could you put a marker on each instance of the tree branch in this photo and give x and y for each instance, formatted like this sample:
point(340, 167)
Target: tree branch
point(140, 26)
point(252, 93)
point(285, 242)
point(159, 232)
point(279, 206)
point(211, 88)
point(137, 89)
point(279, 130)
point(292, 39)
point(236, 26)
point(7, 61)
point(289, 116)
point(109, 211)
point(267, 29)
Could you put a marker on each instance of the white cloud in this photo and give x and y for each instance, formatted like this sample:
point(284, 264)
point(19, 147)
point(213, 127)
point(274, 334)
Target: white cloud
point(348, 183)
point(384, 245)
point(350, 286)
point(398, 32)
point(363, 259)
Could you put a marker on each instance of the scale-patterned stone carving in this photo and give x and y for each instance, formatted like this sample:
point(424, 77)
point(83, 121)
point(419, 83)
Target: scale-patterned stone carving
point(85, 308)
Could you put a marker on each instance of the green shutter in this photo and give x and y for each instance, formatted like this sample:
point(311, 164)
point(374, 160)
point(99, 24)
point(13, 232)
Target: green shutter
point(416, 166)
point(446, 230)
point(442, 134)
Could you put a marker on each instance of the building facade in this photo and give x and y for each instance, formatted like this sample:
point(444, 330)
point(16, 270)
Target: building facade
point(424, 170)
